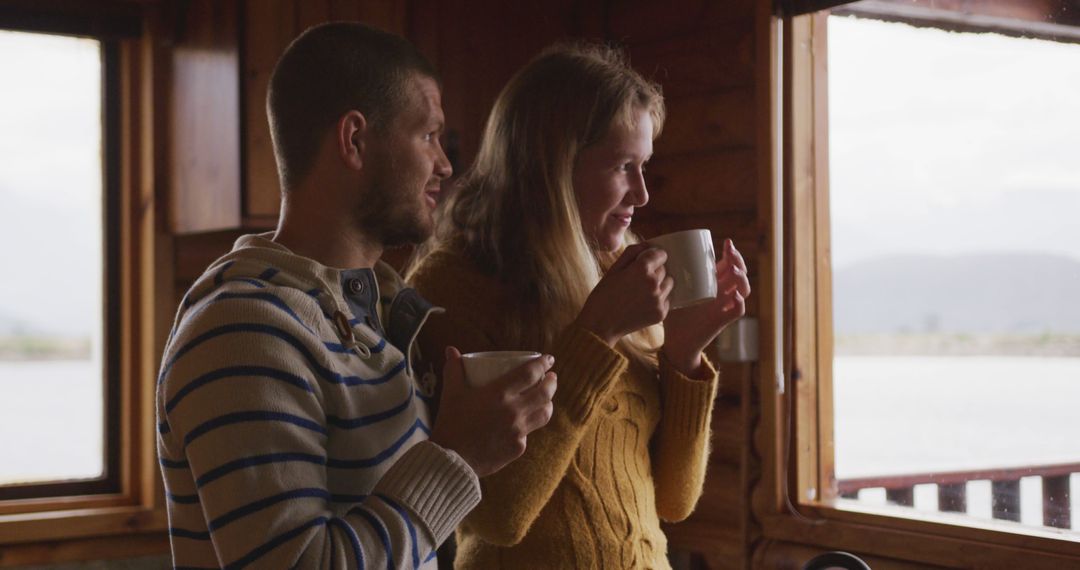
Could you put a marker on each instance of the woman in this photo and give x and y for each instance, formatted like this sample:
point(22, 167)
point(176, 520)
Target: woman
point(531, 253)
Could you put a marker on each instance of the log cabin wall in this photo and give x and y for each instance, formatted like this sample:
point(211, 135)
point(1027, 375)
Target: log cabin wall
point(707, 169)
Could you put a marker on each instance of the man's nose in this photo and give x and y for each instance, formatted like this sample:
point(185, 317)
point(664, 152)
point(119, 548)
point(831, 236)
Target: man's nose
point(443, 168)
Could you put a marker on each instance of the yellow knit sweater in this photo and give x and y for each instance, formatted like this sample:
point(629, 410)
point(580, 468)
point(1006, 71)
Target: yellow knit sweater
point(626, 447)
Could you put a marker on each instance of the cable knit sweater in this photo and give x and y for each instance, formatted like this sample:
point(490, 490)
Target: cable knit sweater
point(292, 427)
point(627, 445)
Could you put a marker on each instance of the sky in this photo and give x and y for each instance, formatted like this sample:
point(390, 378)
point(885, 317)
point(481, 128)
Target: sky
point(948, 143)
point(50, 182)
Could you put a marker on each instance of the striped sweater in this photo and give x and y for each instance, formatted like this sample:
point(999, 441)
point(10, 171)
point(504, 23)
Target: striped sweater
point(291, 426)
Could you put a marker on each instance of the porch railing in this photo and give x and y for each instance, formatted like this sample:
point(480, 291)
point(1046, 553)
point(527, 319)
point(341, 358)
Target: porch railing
point(1004, 490)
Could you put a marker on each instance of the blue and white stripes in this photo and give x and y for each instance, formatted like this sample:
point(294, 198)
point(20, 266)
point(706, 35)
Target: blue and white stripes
point(278, 450)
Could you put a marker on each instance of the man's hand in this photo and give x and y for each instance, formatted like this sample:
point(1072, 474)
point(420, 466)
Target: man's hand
point(488, 425)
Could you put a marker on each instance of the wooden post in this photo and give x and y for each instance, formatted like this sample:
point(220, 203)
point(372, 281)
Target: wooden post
point(903, 496)
point(1056, 511)
point(952, 497)
point(1006, 499)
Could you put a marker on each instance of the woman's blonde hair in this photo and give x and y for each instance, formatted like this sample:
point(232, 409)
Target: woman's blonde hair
point(515, 213)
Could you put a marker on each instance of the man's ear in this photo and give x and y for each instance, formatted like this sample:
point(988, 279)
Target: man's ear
point(352, 139)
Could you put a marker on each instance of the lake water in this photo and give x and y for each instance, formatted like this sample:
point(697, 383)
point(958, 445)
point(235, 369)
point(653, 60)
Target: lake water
point(50, 420)
point(893, 415)
point(919, 414)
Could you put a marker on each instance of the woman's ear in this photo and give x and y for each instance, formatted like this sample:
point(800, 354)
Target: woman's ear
point(352, 133)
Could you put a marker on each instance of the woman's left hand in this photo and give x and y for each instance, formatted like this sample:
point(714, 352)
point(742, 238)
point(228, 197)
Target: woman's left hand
point(689, 330)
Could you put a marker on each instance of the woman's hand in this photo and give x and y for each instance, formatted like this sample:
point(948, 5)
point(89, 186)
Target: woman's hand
point(632, 295)
point(689, 330)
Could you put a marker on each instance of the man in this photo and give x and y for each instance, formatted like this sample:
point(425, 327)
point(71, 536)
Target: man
point(293, 428)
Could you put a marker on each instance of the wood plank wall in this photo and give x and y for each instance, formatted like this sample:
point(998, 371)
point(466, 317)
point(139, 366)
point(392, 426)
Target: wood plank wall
point(706, 171)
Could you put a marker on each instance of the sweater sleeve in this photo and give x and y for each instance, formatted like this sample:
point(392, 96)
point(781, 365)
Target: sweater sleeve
point(681, 444)
point(587, 369)
point(242, 438)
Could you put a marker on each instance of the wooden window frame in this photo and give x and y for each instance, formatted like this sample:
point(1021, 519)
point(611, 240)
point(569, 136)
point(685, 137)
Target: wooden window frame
point(796, 503)
point(122, 514)
point(109, 482)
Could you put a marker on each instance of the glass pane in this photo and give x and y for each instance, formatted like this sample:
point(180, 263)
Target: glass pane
point(51, 242)
point(955, 190)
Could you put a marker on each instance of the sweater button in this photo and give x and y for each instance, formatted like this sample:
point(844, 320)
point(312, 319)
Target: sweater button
point(428, 383)
point(610, 405)
point(356, 286)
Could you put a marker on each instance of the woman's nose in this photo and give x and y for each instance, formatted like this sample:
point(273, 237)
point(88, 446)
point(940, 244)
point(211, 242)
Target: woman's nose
point(639, 194)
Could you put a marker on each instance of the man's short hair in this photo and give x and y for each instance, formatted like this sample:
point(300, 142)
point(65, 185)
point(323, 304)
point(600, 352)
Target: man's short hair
point(327, 71)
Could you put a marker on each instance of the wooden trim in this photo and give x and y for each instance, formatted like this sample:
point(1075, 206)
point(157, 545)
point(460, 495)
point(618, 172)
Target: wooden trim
point(47, 503)
point(793, 8)
point(54, 525)
point(157, 305)
point(975, 20)
point(96, 548)
point(942, 539)
point(100, 19)
point(822, 259)
point(114, 372)
point(799, 183)
point(768, 496)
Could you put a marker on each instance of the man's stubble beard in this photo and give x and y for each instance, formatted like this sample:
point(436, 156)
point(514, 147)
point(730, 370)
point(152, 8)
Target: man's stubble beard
point(385, 214)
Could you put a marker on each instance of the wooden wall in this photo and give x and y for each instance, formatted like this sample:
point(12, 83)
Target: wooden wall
point(706, 171)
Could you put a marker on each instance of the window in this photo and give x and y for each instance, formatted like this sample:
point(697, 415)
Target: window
point(931, 262)
point(81, 301)
point(956, 262)
point(54, 362)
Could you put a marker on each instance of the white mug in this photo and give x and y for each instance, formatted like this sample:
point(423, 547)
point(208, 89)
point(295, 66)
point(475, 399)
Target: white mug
point(483, 367)
point(691, 263)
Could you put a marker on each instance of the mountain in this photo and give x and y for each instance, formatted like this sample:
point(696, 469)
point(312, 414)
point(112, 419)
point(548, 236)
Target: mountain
point(996, 292)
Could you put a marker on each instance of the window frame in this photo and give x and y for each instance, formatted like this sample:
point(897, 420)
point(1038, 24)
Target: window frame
point(798, 501)
point(123, 513)
point(109, 482)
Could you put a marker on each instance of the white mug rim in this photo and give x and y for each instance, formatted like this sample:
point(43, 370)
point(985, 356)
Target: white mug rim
point(667, 235)
point(500, 354)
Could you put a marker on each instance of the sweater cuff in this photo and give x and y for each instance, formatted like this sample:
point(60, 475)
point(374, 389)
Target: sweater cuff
point(687, 402)
point(436, 484)
point(586, 367)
